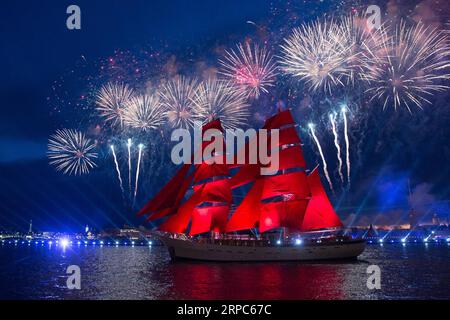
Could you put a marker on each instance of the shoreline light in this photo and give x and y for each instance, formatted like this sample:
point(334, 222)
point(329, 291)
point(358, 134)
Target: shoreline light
point(64, 242)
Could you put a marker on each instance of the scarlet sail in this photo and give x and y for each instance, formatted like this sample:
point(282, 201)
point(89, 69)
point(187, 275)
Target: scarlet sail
point(288, 199)
point(289, 214)
point(247, 214)
point(320, 213)
point(167, 197)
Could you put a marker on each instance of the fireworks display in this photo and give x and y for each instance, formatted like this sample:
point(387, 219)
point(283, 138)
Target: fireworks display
point(250, 67)
point(324, 161)
point(138, 170)
point(347, 142)
point(144, 112)
point(111, 100)
point(221, 99)
point(177, 101)
point(411, 67)
point(363, 44)
point(129, 144)
point(71, 152)
point(336, 144)
point(399, 65)
point(317, 54)
point(116, 164)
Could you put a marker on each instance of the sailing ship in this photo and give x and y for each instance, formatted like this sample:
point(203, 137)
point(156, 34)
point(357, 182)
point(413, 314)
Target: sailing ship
point(282, 217)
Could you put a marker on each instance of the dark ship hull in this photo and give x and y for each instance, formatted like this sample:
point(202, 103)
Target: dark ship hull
point(245, 251)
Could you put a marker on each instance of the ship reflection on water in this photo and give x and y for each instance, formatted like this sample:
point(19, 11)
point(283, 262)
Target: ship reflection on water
point(416, 271)
point(269, 281)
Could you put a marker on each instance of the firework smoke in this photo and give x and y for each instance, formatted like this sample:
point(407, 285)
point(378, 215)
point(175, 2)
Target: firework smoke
point(119, 176)
point(177, 101)
point(111, 100)
point(71, 152)
point(217, 99)
point(252, 69)
point(319, 147)
point(336, 144)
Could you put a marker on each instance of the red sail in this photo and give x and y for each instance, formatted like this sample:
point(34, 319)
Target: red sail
point(214, 124)
point(291, 157)
point(205, 171)
point(245, 175)
point(287, 214)
point(198, 153)
point(168, 195)
point(209, 219)
point(282, 118)
point(179, 222)
point(246, 215)
point(320, 213)
point(215, 191)
point(288, 136)
point(294, 184)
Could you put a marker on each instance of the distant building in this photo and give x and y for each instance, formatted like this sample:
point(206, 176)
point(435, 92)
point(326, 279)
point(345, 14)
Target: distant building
point(435, 221)
point(372, 232)
point(127, 232)
point(413, 219)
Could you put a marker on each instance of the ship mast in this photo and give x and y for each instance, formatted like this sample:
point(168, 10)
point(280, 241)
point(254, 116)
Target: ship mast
point(288, 200)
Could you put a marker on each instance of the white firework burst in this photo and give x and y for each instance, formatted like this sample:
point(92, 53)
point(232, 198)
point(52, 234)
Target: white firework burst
point(177, 100)
point(317, 54)
point(364, 43)
point(71, 152)
point(144, 112)
point(414, 62)
point(111, 100)
point(250, 67)
point(219, 99)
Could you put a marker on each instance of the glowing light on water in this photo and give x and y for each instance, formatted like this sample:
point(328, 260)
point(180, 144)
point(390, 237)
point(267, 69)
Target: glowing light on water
point(64, 242)
point(319, 147)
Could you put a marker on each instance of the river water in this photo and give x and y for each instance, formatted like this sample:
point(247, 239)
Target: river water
point(413, 271)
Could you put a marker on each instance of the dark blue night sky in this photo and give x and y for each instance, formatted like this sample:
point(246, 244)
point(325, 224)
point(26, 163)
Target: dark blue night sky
point(37, 50)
